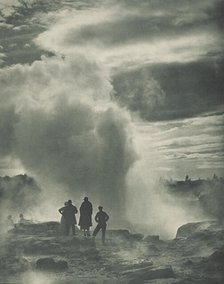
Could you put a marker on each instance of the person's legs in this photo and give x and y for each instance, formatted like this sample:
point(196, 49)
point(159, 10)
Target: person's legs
point(103, 232)
point(67, 229)
point(95, 232)
point(73, 229)
point(88, 232)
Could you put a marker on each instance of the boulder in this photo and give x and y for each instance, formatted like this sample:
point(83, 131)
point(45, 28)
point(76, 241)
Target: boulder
point(13, 264)
point(164, 281)
point(49, 264)
point(151, 238)
point(124, 235)
point(45, 228)
point(189, 229)
point(137, 276)
point(217, 256)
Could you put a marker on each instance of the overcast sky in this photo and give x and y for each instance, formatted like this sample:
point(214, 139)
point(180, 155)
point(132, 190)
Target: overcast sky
point(163, 62)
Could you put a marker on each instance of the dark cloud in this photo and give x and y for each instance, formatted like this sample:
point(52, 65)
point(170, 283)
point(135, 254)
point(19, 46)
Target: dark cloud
point(140, 92)
point(171, 6)
point(215, 13)
point(123, 31)
point(189, 89)
point(135, 28)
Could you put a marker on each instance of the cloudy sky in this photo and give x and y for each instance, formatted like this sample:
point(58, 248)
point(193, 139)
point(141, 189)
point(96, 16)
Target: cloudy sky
point(165, 62)
point(165, 65)
point(159, 62)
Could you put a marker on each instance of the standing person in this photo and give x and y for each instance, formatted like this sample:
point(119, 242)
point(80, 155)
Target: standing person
point(62, 222)
point(9, 223)
point(24, 221)
point(70, 219)
point(85, 220)
point(101, 218)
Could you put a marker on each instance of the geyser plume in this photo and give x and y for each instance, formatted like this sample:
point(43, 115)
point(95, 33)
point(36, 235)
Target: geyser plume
point(151, 208)
point(65, 129)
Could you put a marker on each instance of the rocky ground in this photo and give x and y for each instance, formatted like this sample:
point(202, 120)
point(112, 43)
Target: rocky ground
point(38, 253)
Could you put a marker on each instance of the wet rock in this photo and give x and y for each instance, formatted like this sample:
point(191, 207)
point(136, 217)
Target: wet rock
point(49, 264)
point(61, 265)
point(92, 255)
point(45, 228)
point(124, 235)
point(189, 229)
point(41, 246)
point(153, 250)
point(151, 238)
point(13, 264)
point(137, 237)
point(137, 276)
point(165, 281)
point(142, 264)
point(217, 256)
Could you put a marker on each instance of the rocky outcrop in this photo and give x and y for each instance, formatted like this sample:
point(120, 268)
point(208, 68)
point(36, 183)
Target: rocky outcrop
point(49, 264)
point(137, 276)
point(195, 228)
point(124, 235)
point(43, 229)
point(196, 255)
point(13, 264)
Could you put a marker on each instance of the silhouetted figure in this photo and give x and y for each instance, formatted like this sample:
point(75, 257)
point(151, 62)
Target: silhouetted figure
point(101, 218)
point(62, 222)
point(215, 177)
point(85, 220)
point(9, 222)
point(22, 220)
point(70, 219)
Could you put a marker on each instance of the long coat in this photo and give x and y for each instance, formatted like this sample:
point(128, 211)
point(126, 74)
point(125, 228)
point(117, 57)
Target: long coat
point(85, 220)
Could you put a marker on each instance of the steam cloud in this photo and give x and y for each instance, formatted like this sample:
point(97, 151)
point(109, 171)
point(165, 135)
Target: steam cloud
point(18, 194)
point(140, 92)
point(58, 120)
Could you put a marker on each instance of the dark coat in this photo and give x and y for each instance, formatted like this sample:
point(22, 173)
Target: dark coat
point(69, 214)
point(101, 218)
point(86, 210)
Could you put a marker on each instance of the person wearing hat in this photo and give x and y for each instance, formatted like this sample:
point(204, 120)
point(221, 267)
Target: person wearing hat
point(101, 218)
point(69, 212)
point(62, 222)
point(85, 219)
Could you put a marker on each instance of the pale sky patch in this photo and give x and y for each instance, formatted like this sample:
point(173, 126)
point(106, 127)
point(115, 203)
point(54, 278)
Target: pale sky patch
point(193, 141)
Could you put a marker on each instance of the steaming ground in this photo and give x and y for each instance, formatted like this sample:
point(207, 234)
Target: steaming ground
point(38, 253)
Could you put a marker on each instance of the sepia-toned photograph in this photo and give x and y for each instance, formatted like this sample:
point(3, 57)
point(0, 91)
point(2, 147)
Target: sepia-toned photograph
point(111, 142)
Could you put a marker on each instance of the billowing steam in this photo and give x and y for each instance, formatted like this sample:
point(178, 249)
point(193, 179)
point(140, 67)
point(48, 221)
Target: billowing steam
point(59, 121)
point(18, 194)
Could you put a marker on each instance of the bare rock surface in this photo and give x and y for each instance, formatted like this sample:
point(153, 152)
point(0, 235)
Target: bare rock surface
point(49, 264)
point(39, 251)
